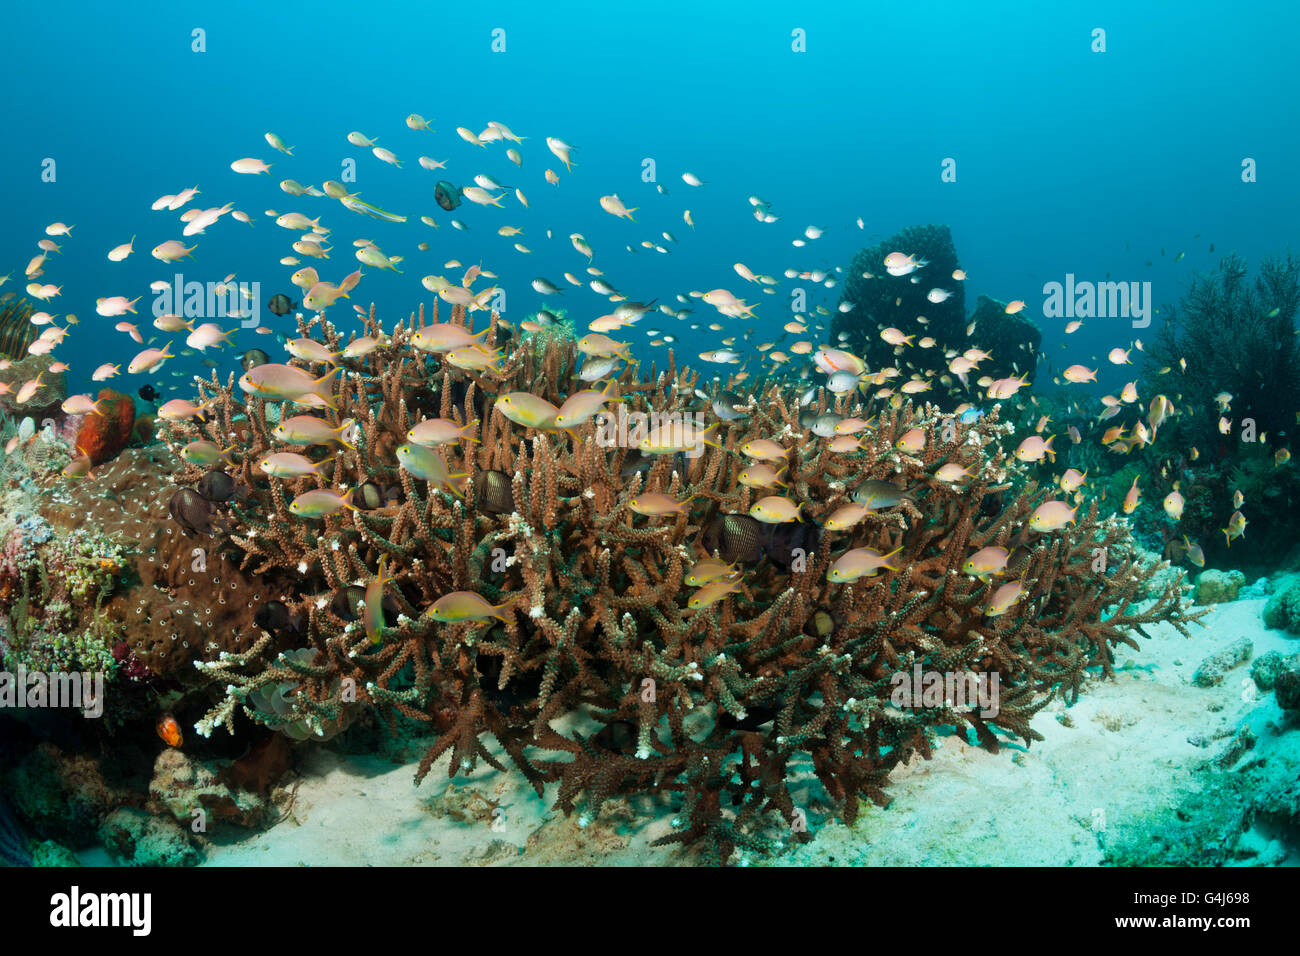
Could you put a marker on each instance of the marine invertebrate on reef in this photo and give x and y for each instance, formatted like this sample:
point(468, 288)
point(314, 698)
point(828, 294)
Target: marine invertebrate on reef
point(16, 328)
point(103, 435)
point(531, 572)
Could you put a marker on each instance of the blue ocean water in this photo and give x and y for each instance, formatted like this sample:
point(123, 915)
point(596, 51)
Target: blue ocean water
point(1068, 160)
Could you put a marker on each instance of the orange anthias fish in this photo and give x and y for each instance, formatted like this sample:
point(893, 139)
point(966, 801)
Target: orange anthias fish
point(1131, 499)
point(170, 731)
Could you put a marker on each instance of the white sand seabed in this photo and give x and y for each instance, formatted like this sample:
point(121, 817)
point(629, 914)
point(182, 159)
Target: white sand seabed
point(1124, 751)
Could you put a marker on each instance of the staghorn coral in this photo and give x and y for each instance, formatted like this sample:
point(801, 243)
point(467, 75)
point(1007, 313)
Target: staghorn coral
point(720, 708)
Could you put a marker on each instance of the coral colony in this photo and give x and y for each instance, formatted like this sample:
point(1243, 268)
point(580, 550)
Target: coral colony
point(459, 550)
point(739, 598)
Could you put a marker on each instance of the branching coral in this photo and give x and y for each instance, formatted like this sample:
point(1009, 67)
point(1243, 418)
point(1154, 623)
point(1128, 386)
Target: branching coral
point(720, 707)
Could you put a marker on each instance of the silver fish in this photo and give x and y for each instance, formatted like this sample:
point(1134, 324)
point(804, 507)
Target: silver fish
point(594, 369)
point(879, 494)
point(823, 426)
point(726, 406)
point(842, 382)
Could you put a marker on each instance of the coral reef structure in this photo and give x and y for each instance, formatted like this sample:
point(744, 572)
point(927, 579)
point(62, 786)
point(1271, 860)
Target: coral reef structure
point(584, 653)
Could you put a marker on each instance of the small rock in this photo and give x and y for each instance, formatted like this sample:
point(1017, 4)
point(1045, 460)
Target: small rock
point(60, 796)
point(181, 786)
point(1242, 743)
point(49, 853)
point(1216, 587)
point(1211, 670)
point(1282, 612)
point(134, 838)
point(1267, 667)
point(1287, 689)
point(1260, 589)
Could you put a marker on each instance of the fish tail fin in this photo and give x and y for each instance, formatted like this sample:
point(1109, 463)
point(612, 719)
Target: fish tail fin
point(347, 500)
point(323, 380)
point(707, 439)
point(1227, 539)
point(341, 430)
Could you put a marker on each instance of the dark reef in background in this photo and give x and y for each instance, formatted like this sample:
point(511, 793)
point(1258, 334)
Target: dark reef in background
point(884, 300)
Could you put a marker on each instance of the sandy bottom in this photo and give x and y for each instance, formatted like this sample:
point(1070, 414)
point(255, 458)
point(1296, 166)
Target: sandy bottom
point(1129, 750)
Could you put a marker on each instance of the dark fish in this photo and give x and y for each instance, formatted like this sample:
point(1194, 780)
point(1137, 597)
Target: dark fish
point(493, 493)
point(755, 716)
point(619, 736)
point(216, 486)
point(345, 601)
point(16, 329)
point(633, 462)
point(726, 404)
point(369, 496)
point(148, 393)
point(253, 358)
point(734, 538)
point(791, 540)
point(447, 195)
point(275, 616)
point(281, 304)
point(192, 512)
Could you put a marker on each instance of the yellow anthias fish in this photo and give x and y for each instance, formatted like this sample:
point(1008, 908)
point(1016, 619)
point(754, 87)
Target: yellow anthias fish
point(322, 502)
point(372, 617)
point(707, 571)
point(527, 409)
point(986, 562)
point(461, 606)
point(1004, 598)
point(426, 464)
point(655, 504)
point(1236, 527)
point(713, 592)
point(775, 509)
point(859, 563)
